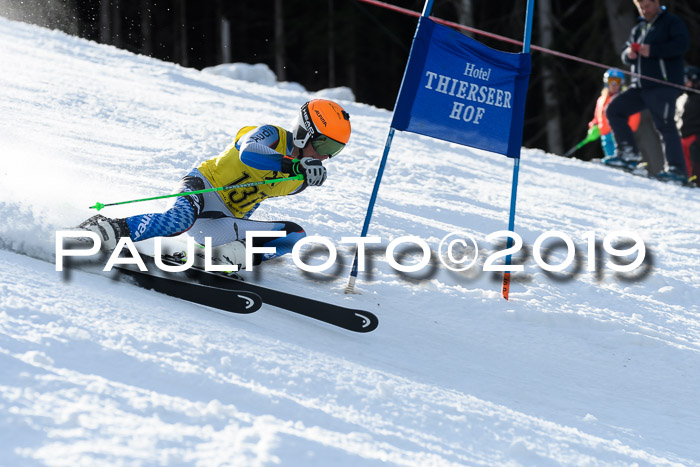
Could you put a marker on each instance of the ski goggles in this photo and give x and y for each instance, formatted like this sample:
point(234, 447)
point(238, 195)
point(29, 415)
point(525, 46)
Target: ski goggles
point(612, 80)
point(326, 146)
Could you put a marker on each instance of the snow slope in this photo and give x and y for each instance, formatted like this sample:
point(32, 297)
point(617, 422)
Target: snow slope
point(577, 368)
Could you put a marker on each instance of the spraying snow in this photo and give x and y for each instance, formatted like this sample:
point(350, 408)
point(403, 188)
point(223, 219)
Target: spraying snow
point(579, 367)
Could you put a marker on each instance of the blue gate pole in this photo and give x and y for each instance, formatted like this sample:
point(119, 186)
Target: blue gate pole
point(516, 162)
point(350, 287)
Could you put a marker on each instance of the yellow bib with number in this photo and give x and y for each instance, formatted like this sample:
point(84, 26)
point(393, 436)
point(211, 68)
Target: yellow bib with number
point(227, 169)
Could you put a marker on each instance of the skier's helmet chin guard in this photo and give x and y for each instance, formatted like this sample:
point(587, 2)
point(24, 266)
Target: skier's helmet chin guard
point(325, 123)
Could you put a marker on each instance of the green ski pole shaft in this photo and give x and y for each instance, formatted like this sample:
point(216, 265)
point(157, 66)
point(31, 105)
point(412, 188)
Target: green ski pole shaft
point(99, 206)
point(592, 135)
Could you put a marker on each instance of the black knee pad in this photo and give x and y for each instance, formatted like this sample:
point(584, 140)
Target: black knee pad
point(292, 227)
point(191, 183)
point(289, 227)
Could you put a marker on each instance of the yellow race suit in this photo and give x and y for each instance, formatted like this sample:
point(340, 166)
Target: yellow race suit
point(228, 169)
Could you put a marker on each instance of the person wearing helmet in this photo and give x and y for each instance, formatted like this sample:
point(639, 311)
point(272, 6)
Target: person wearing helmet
point(690, 123)
point(613, 81)
point(257, 153)
point(654, 49)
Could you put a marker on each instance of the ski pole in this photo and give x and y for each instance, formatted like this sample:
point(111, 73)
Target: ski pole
point(572, 150)
point(592, 135)
point(99, 206)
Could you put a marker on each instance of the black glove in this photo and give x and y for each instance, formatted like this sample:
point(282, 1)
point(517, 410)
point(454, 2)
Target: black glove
point(313, 171)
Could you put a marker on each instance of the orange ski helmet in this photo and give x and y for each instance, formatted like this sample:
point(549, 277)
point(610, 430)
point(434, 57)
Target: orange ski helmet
point(325, 123)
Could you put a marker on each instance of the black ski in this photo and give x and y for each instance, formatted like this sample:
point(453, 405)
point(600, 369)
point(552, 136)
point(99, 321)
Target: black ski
point(226, 299)
point(346, 318)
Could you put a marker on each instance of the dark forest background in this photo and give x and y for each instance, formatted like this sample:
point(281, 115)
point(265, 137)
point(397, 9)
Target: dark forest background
point(329, 43)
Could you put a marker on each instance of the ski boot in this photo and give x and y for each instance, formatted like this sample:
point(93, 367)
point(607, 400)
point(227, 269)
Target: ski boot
point(625, 158)
point(675, 175)
point(109, 230)
point(232, 253)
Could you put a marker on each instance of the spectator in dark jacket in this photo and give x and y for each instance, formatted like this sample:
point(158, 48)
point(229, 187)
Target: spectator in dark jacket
point(655, 49)
point(690, 123)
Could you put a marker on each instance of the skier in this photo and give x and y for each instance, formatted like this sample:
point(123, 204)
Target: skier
point(612, 84)
point(655, 48)
point(321, 131)
point(690, 123)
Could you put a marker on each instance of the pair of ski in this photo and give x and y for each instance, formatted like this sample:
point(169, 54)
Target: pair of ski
point(642, 170)
point(229, 294)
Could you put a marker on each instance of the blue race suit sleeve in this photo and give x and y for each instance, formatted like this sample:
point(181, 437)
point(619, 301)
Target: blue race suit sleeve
point(255, 149)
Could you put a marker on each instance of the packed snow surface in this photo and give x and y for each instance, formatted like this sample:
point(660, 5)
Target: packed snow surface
point(579, 367)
